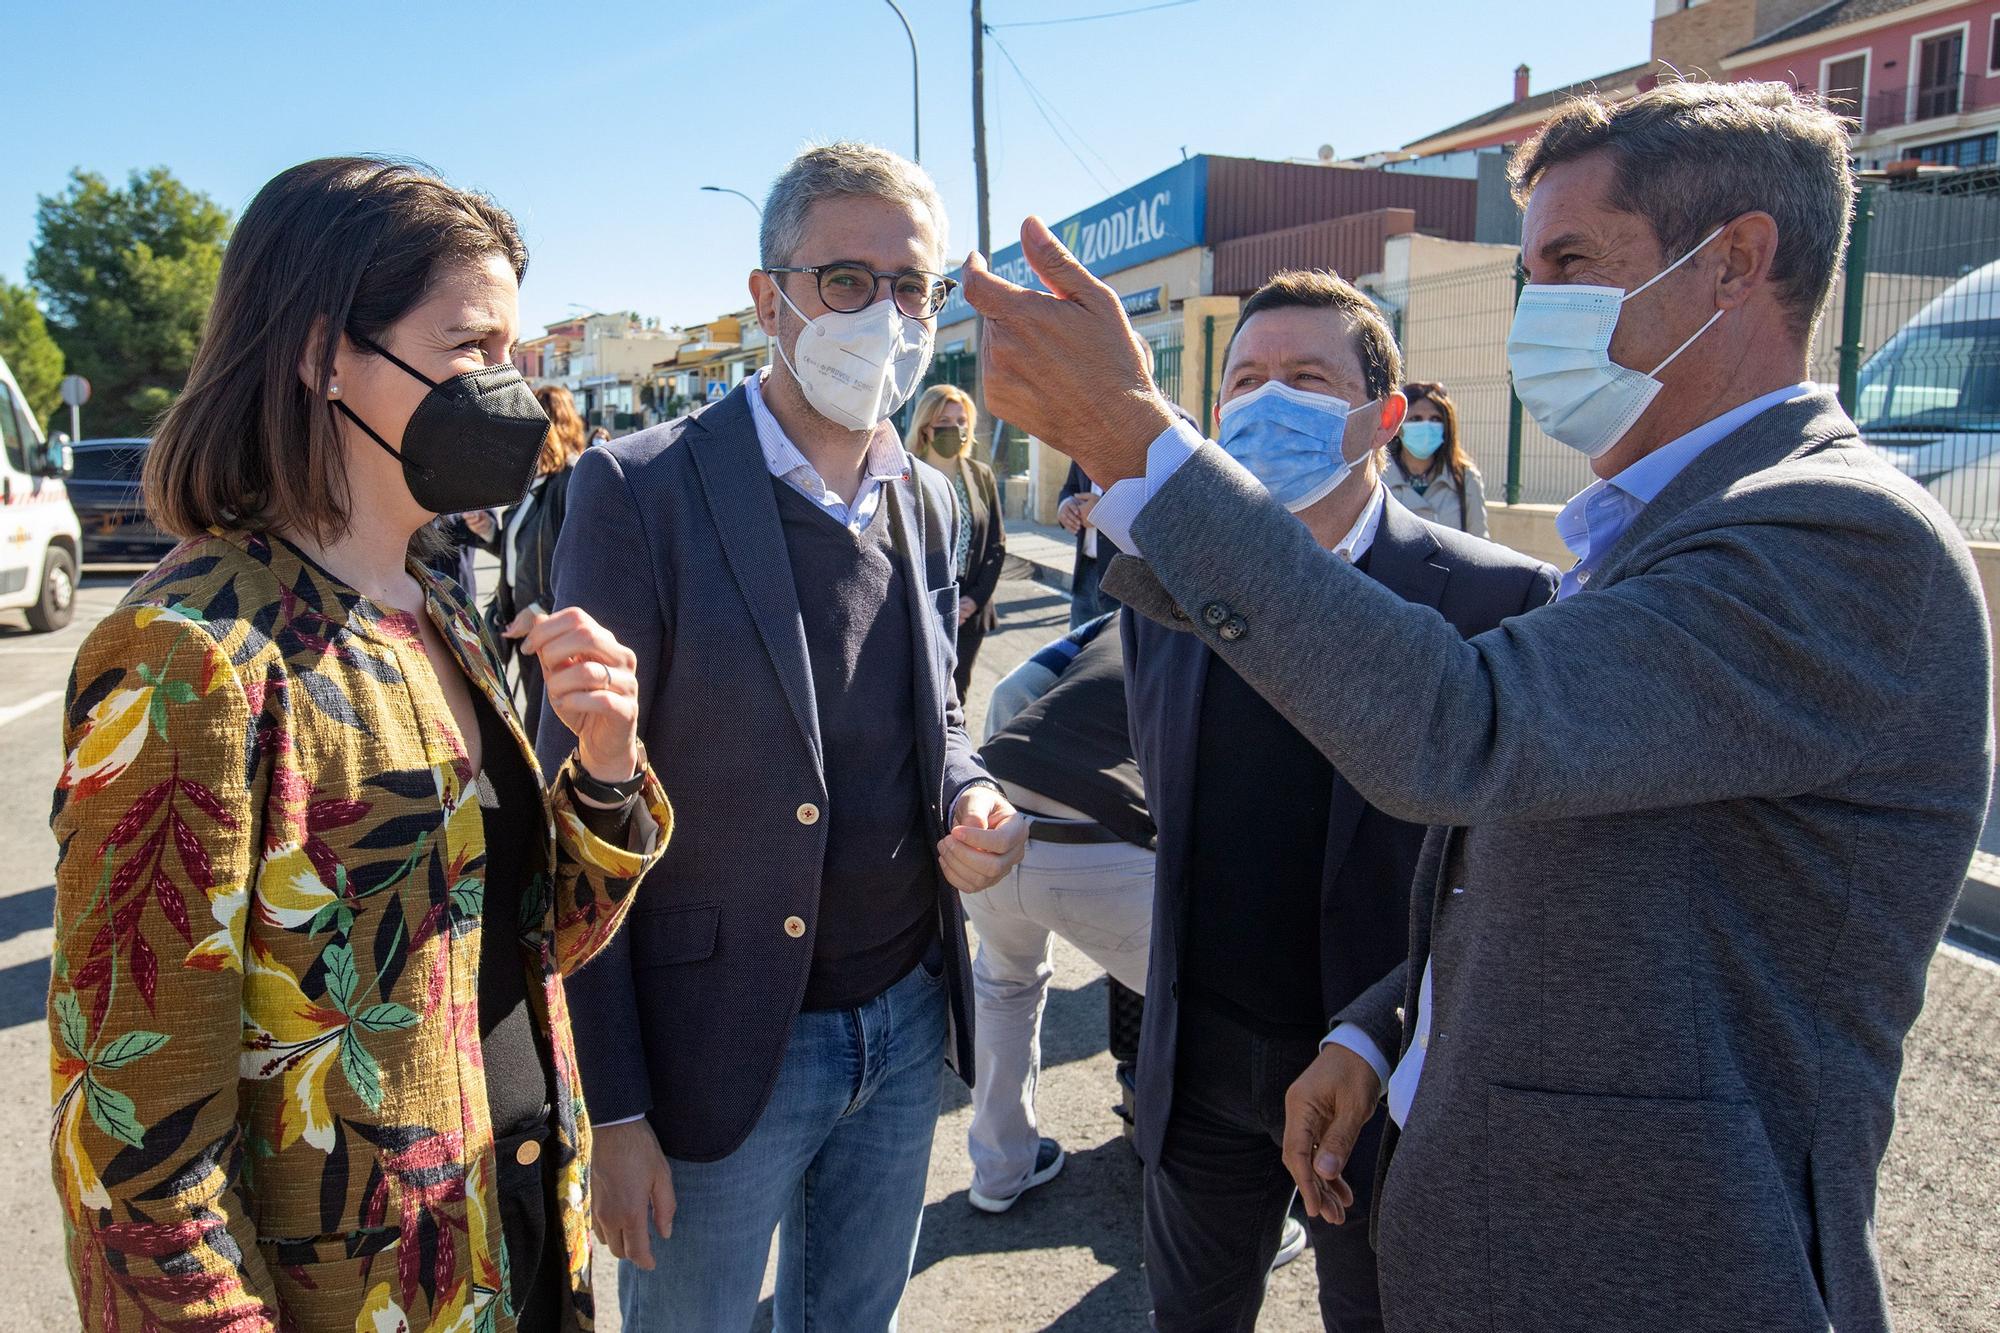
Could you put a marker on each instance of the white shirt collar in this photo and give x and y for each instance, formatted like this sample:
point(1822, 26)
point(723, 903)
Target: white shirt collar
point(885, 462)
point(1362, 535)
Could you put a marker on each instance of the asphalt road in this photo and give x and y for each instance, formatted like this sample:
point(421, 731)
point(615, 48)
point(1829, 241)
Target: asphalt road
point(1068, 1256)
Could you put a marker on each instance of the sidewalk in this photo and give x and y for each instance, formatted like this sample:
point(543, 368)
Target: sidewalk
point(1043, 553)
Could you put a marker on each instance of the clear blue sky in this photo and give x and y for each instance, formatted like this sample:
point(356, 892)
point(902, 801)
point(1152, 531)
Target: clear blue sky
point(596, 122)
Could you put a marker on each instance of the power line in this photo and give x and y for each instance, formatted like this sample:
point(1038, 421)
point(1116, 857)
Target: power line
point(1090, 18)
point(1050, 115)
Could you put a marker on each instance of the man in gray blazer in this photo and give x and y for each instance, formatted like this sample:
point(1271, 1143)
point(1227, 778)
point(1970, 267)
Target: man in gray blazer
point(1710, 810)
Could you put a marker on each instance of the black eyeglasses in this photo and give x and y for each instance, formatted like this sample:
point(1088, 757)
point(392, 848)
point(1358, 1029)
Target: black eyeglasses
point(847, 286)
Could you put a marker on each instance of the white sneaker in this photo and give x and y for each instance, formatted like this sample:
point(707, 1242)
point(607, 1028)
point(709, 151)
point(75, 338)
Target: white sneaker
point(1049, 1161)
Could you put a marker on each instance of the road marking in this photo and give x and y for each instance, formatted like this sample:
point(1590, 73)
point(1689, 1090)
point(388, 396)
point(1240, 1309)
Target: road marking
point(14, 712)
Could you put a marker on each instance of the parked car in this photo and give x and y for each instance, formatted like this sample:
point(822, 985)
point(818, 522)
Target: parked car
point(104, 487)
point(1929, 400)
point(39, 555)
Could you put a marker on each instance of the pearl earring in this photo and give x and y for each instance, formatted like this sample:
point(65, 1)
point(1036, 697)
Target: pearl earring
point(333, 391)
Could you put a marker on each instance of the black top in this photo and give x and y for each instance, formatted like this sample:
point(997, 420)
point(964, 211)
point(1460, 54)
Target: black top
point(519, 1091)
point(1074, 744)
point(878, 883)
point(1262, 799)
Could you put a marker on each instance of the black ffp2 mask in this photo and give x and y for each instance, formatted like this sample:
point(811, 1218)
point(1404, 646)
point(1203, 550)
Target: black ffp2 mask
point(473, 441)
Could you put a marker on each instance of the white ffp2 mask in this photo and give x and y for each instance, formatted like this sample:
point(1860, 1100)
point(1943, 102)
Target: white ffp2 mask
point(1559, 350)
point(857, 368)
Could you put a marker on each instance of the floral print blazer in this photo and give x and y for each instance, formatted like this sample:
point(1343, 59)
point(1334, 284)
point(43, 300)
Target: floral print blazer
point(270, 1110)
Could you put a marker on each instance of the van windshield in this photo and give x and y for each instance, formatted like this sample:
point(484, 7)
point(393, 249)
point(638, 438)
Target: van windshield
point(1938, 377)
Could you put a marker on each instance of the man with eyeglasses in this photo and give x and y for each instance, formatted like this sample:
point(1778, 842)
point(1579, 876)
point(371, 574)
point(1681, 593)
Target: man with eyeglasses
point(760, 1046)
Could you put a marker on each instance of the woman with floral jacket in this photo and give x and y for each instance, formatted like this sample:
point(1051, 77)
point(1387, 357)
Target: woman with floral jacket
point(312, 1066)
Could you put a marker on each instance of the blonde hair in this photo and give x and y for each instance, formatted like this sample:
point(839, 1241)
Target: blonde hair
point(564, 443)
point(928, 406)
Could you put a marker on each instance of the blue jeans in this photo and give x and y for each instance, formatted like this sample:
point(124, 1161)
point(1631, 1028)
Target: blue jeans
point(836, 1165)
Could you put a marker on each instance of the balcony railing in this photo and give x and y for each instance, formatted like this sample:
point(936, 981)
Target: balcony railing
point(1889, 108)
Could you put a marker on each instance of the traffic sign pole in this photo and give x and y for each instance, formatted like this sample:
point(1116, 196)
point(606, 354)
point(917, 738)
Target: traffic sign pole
point(75, 390)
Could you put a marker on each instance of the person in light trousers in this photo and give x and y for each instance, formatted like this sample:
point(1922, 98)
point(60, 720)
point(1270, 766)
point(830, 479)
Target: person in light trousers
point(1058, 745)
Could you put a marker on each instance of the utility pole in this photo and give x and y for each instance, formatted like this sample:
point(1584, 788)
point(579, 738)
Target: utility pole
point(995, 430)
point(979, 126)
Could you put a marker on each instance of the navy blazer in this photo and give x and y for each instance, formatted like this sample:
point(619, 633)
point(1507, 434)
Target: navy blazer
point(673, 543)
point(1371, 858)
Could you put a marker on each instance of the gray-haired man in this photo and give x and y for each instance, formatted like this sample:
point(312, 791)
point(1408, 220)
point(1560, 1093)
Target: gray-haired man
point(1712, 807)
point(760, 1047)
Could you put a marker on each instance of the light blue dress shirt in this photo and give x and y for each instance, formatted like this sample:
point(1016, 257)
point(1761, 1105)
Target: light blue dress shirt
point(1592, 522)
point(1589, 525)
point(886, 462)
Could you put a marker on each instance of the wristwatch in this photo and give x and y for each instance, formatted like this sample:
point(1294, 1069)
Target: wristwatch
point(610, 794)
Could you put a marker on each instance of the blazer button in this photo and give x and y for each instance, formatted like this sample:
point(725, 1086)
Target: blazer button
point(1233, 629)
point(1215, 613)
point(809, 814)
point(1179, 614)
point(795, 926)
point(528, 1153)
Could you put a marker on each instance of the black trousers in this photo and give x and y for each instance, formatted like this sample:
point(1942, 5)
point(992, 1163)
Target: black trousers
point(1216, 1200)
point(538, 1266)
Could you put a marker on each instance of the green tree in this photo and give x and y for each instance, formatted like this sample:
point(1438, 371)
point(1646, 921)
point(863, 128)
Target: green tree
point(126, 276)
point(28, 349)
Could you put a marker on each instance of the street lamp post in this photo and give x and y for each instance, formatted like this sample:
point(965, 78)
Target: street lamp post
point(916, 111)
point(724, 189)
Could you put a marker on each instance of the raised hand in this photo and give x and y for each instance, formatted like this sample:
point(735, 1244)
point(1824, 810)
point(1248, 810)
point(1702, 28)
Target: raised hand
point(1064, 364)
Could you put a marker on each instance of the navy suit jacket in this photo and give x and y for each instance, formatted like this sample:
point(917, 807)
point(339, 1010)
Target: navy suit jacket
point(673, 543)
point(1371, 858)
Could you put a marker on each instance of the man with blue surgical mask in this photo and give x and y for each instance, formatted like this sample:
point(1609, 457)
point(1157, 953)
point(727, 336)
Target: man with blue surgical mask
point(1705, 816)
point(1281, 893)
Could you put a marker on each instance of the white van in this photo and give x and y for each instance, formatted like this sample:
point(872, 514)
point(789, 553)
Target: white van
point(40, 539)
point(1929, 400)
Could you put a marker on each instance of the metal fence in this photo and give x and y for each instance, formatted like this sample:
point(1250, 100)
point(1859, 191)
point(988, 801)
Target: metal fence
point(1910, 339)
point(1452, 328)
point(1165, 340)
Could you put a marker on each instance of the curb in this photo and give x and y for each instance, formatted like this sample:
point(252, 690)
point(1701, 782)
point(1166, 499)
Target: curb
point(1046, 556)
point(1975, 922)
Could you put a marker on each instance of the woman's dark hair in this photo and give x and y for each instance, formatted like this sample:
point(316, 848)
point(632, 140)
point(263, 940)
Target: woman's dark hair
point(1453, 454)
point(338, 245)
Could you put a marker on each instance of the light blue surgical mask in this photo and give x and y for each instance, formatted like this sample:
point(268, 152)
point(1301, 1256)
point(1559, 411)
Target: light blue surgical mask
point(1421, 439)
point(1290, 440)
point(1559, 351)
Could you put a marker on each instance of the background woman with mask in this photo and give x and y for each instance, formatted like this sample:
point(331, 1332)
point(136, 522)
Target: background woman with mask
point(1429, 470)
point(941, 435)
point(313, 1066)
